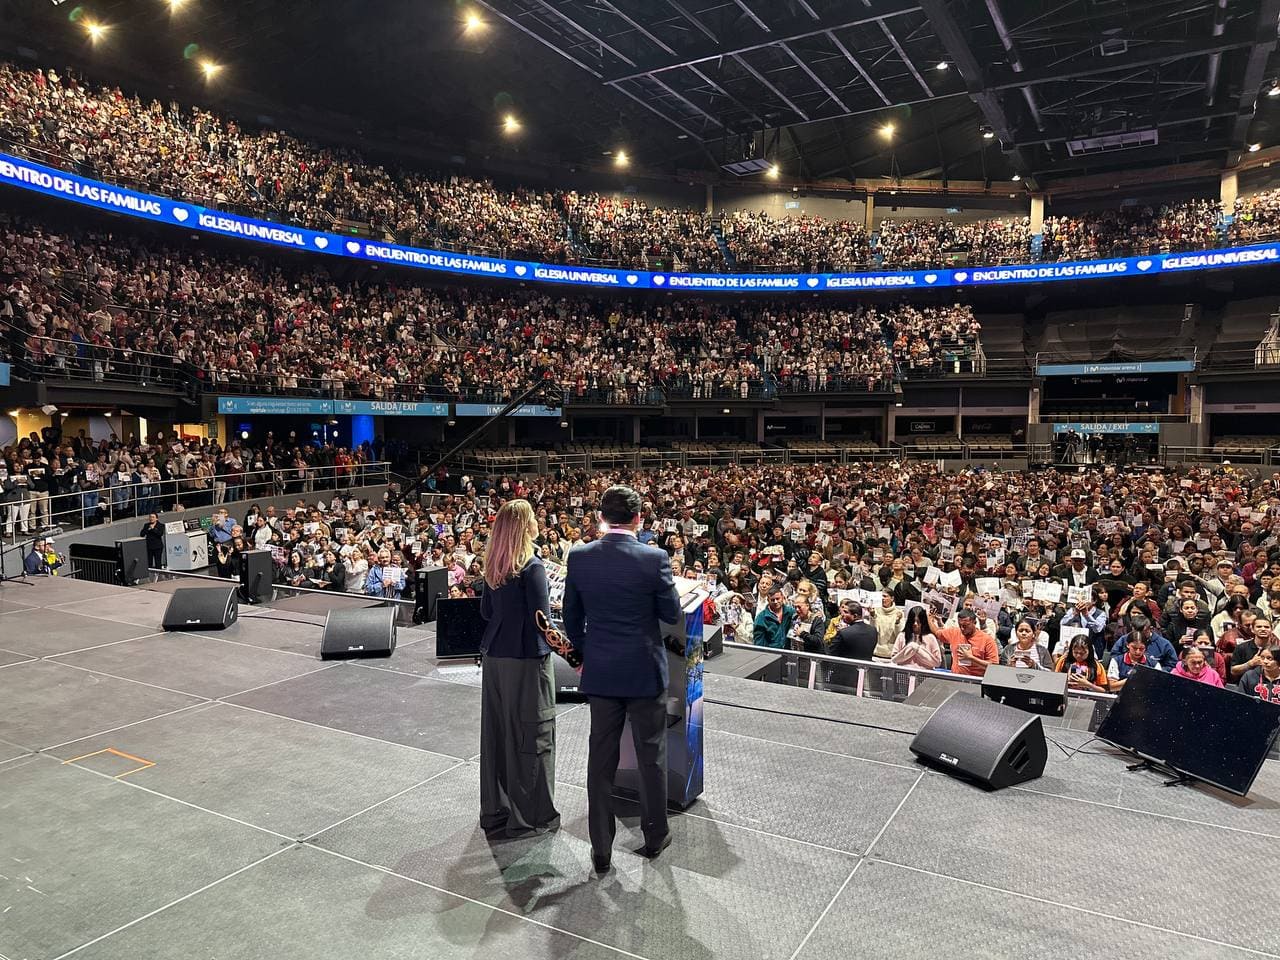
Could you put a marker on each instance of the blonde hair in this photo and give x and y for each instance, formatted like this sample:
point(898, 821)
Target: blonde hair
point(510, 544)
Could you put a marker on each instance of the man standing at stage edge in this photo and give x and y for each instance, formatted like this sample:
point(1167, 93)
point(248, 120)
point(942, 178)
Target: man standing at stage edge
point(616, 591)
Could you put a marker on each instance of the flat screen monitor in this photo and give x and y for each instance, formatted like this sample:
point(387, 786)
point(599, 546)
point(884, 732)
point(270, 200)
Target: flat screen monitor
point(459, 628)
point(1218, 736)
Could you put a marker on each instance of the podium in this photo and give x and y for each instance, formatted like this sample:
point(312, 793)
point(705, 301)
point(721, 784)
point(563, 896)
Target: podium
point(684, 712)
point(187, 549)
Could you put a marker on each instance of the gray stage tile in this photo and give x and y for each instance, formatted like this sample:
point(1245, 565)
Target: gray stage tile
point(427, 714)
point(286, 776)
point(891, 913)
point(318, 604)
point(47, 703)
point(99, 854)
point(261, 627)
point(1143, 870)
point(307, 905)
point(13, 606)
point(137, 606)
point(835, 801)
point(46, 590)
point(9, 751)
point(1098, 774)
point(718, 891)
point(47, 632)
point(9, 656)
point(198, 664)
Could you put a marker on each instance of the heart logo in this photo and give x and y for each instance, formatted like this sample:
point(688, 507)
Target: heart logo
point(353, 247)
point(320, 242)
point(961, 276)
point(180, 214)
point(521, 270)
point(659, 279)
point(1144, 264)
point(930, 278)
point(812, 281)
point(632, 278)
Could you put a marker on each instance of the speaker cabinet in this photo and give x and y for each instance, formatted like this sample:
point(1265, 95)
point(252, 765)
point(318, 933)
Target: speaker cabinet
point(131, 560)
point(255, 576)
point(567, 681)
point(201, 608)
point(1035, 691)
point(430, 585)
point(360, 633)
point(983, 741)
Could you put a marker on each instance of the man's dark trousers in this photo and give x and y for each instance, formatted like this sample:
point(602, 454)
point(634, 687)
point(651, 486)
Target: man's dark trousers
point(648, 716)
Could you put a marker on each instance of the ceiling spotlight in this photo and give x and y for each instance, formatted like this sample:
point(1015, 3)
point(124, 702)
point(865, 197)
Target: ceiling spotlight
point(510, 124)
point(96, 30)
point(1255, 147)
point(175, 4)
point(620, 159)
point(943, 65)
point(210, 68)
point(1274, 89)
point(773, 171)
point(473, 21)
point(887, 131)
point(988, 133)
point(1017, 177)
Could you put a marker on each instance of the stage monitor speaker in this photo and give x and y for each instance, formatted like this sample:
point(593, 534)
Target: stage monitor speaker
point(430, 585)
point(1035, 691)
point(255, 576)
point(131, 560)
point(984, 741)
point(201, 608)
point(568, 681)
point(355, 634)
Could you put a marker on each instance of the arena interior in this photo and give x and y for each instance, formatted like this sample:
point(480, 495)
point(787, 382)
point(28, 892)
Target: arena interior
point(919, 326)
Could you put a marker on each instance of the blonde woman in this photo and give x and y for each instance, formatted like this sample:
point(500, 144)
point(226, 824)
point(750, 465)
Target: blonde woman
point(517, 690)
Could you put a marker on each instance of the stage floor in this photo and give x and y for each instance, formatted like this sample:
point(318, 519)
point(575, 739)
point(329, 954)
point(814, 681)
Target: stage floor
point(228, 795)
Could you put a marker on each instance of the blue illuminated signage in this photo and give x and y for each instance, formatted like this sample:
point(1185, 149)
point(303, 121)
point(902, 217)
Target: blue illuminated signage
point(391, 408)
point(1085, 369)
point(1107, 427)
point(493, 409)
point(295, 406)
point(6, 372)
point(58, 183)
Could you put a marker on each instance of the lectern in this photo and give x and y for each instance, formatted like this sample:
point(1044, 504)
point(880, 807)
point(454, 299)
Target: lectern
point(684, 711)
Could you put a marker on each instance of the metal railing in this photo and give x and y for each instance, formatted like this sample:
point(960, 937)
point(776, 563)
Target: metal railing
point(878, 679)
point(121, 500)
point(1221, 453)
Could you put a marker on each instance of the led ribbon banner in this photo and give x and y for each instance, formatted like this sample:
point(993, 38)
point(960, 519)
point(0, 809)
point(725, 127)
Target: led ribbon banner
point(67, 186)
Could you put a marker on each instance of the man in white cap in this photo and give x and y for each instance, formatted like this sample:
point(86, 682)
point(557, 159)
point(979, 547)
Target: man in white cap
point(1076, 573)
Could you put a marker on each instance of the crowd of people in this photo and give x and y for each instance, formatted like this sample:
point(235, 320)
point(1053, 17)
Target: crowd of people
point(202, 157)
point(77, 303)
point(49, 480)
point(1093, 573)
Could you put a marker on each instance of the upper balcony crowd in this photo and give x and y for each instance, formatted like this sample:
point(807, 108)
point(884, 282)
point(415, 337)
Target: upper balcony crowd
point(97, 306)
point(201, 157)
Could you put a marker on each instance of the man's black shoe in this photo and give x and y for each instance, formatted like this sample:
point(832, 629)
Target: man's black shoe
point(651, 853)
point(601, 864)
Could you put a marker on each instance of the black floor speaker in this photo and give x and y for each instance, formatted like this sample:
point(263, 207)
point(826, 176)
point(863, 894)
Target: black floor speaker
point(131, 559)
point(1035, 691)
point(567, 681)
point(983, 741)
point(201, 608)
point(355, 634)
point(255, 576)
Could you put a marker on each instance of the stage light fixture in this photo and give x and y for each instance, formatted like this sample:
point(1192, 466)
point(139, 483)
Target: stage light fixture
point(1255, 147)
point(943, 65)
point(510, 124)
point(988, 133)
point(474, 22)
point(620, 159)
point(95, 30)
point(1016, 177)
point(887, 131)
point(773, 171)
point(1274, 89)
point(175, 4)
point(210, 68)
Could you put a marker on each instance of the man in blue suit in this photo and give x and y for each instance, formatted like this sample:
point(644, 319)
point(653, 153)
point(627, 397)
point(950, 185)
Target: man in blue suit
point(616, 590)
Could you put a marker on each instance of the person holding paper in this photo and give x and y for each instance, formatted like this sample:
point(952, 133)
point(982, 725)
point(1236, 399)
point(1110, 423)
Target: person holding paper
point(1027, 651)
point(888, 621)
point(972, 650)
point(1082, 668)
point(1090, 615)
point(384, 580)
